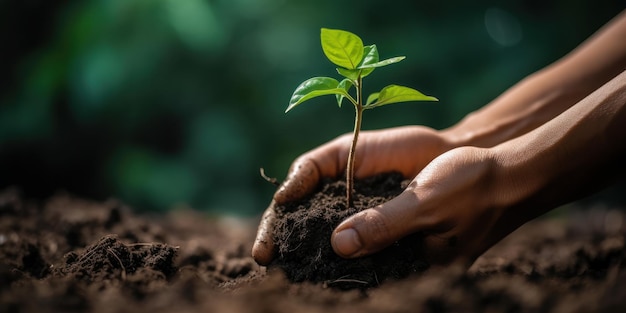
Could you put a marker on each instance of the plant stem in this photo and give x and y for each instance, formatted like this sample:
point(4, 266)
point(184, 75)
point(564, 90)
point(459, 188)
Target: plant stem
point(355, 137)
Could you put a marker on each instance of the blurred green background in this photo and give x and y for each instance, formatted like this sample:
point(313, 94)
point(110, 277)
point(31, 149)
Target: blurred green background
point(168, 103)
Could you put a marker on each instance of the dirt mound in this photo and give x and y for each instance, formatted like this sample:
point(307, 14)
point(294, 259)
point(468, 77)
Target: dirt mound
point(303, 229)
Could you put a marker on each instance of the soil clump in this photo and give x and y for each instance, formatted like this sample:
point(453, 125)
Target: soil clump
point(303, 230)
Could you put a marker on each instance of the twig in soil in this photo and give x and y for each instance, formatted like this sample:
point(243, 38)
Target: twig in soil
point(145, 244)
point(141, 244)
point(287, 238)
point(296, 248)
point(270, 180)
point(346, 280)
point(88, 254)
point(120, 261)
point(93, 250)
point(318, 256)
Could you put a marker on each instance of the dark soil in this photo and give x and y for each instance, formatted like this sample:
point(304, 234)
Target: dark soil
point(303, 229)
point(75, 255)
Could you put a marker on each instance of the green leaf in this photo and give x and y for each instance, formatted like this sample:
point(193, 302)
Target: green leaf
point(343, 48)
point(383, 63)
point(371, 98)
point(345, 84)
point(315, 87)
point(352, 75)
point(394, 94)
point(370, 56)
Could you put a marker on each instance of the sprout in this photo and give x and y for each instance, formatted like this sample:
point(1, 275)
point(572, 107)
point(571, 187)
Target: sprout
point(355, 61)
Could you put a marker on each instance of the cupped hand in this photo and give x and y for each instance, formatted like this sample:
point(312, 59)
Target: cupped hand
point(451, 202)
point(404, 149)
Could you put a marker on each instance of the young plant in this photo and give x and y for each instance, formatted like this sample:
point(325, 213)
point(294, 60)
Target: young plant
point(355, 61)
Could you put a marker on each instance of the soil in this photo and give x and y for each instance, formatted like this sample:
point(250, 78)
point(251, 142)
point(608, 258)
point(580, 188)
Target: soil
point(69, 254)
point(303, 229)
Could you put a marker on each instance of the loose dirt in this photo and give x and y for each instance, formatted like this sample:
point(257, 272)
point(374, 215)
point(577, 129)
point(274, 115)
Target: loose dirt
point(68, 254)
point(303, 229)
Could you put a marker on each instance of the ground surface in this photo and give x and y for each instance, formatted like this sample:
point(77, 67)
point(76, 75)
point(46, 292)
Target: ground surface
point(75, 255)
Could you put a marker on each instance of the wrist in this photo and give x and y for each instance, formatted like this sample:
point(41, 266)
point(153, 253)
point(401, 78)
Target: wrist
point(535, 100)
point(514, 174)
point(524, 169)
point(463, 134)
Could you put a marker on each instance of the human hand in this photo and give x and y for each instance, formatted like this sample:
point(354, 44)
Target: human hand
point(451, 202)
point(469, 198)
point(403, 149)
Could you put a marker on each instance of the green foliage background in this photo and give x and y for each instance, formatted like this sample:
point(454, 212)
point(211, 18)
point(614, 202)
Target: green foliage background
point(164, 103)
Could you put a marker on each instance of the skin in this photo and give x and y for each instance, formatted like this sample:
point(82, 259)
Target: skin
point(552, 138)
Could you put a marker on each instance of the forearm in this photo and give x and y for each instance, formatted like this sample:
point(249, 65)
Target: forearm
point(530, 103)
point(571, 156)
point(545, 94)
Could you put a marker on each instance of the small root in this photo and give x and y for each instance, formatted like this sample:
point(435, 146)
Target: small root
point(347, 280)
point(270, 180)
point(123, 274)
point(318, 256)
point(141, 244)
point(343, 279)
point(296, 248)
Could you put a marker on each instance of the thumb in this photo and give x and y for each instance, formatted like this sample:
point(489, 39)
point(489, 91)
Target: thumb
point(374, 229)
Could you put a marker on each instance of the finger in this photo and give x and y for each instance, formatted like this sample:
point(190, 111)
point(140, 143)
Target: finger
point(306, 171)
point(303, 177)
point(372, 230)
point(263, 249)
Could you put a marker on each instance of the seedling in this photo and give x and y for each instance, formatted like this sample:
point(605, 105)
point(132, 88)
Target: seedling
point(355, 61)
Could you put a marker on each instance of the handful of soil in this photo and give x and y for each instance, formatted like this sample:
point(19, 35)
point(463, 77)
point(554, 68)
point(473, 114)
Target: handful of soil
point(303, 230)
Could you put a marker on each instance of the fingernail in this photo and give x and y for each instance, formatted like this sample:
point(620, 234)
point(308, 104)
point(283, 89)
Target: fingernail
point(347, 242)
